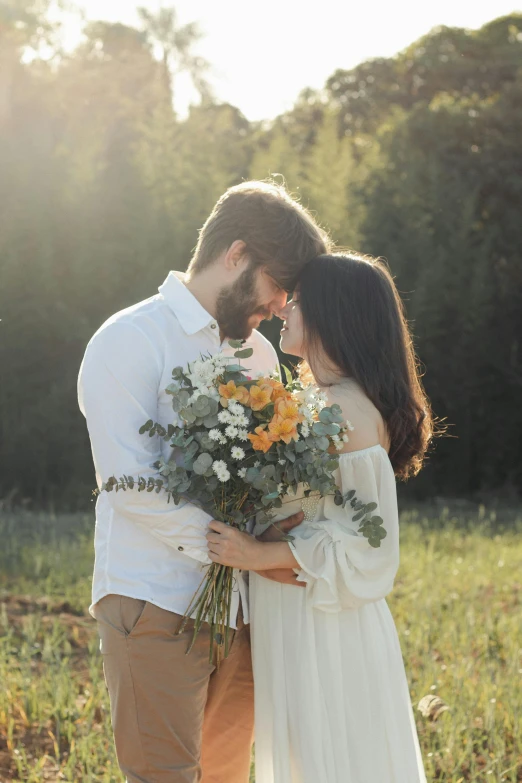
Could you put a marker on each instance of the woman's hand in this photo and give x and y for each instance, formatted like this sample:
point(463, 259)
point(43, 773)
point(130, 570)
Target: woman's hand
point(231, 547)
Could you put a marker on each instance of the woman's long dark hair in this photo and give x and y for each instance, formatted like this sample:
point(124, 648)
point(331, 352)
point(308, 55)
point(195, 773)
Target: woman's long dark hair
point(352, 311)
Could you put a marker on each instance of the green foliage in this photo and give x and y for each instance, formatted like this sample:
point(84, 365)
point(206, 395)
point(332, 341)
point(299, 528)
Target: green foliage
point(104, 188)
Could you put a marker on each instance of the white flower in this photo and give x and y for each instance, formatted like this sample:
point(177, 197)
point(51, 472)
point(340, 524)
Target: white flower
point(242, 472)
point(231, 431)
point(305, 429)
point(242, 435)
point(222, 438)
point(237, 453)
point(345, 438)
point(240, 420)
point(307, 412)
point(350, 425)
point(282, 462)
point(224, 417)
point(235, 407)
point(337, 442)
point(257, 463)
point(280, 489)
point(214, 434)
point(220, 469)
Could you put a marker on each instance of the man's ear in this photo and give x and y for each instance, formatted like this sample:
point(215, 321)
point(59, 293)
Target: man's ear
point(235, 255)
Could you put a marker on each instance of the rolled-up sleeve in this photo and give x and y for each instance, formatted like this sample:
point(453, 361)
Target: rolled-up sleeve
point(118, 390)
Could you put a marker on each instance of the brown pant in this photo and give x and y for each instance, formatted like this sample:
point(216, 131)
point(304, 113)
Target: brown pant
point(175, 717)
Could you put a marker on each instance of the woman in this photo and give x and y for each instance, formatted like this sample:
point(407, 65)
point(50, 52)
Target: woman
point(332, 700)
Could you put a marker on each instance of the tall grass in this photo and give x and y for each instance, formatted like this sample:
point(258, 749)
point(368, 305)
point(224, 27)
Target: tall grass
point(457, 604)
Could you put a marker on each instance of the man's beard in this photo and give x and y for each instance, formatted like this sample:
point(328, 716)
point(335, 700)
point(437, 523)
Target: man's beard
point(236, 304)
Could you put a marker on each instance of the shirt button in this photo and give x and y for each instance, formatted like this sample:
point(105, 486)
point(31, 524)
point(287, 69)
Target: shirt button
point(180, 548)
point(213, 326)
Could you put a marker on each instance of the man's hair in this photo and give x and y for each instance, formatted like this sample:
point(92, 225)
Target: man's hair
point(278, 232)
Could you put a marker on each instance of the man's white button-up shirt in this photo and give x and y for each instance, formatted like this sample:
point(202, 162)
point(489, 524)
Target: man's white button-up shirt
point(146, 547)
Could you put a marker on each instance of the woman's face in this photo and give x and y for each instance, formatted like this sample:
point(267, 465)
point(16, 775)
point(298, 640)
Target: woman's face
point(292, 334)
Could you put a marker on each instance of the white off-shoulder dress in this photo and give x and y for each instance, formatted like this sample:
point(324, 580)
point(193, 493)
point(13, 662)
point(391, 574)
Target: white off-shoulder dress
point(331, 697)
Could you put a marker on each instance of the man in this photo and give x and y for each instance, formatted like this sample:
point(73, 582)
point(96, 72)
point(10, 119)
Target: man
point(175, 718)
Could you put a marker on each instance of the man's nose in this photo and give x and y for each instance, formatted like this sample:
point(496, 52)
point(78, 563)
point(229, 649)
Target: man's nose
point(283, 312)
point(279, 303)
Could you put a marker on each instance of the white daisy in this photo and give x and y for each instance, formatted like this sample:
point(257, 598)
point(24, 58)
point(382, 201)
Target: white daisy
point(242, 472)
point(220, 469)
point(242, 434)
point(237, 453)
point(214, 434)
point(231, 431)
point(224, 417)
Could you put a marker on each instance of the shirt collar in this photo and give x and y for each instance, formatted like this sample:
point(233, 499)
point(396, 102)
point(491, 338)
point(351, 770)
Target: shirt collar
point(190, 313)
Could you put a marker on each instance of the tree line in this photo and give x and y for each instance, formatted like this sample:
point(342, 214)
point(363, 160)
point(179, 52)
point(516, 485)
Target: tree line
point(103, 187)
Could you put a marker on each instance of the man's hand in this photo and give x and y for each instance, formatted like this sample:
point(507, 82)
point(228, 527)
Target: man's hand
point(278, 530)
point(275, 532)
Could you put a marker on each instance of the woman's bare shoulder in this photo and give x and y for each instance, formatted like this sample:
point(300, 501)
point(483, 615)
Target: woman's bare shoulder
point(368, 425)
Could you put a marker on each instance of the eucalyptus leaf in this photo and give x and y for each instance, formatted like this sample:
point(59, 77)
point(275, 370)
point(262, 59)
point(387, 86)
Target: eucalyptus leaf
point(203, 463)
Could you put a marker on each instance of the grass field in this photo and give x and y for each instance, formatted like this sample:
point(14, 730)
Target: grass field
point(457, 605)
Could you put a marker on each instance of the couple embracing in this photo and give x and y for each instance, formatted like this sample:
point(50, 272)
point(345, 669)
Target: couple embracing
point(315, 661)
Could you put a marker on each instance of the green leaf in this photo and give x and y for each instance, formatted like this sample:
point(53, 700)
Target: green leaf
point(235, 343)
point(359, 515)
point(233, 368)
point(377, 520)
point(286, 374)
point(202, 464)
point(146, 426)
point(370, 507)
point(325, 416)
point(244, 354)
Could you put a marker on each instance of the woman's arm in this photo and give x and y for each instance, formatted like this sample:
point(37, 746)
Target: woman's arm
point(231, 547)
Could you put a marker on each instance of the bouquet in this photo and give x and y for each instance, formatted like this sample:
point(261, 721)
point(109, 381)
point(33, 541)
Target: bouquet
point(245, 443)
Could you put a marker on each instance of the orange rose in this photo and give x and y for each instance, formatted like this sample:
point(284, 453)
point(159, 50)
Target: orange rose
point(259, 397)
point(232, 392)
point(283, 429)
point(260, 441)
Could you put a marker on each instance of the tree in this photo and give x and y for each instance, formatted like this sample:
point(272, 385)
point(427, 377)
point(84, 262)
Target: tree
point(175, 43)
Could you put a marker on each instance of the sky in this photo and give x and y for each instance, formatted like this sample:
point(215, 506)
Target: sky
point(264, 53)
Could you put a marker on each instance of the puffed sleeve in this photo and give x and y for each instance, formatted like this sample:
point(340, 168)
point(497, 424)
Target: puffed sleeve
point(340, 568)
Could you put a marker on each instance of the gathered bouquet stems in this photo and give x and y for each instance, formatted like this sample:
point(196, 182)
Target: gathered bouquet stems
point(212, 601)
